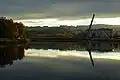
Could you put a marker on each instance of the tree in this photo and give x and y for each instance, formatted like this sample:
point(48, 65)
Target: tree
point(21, 34)
point(12, 30)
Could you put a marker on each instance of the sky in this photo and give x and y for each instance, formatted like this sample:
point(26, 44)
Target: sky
point(45, 12)
point(52, 53)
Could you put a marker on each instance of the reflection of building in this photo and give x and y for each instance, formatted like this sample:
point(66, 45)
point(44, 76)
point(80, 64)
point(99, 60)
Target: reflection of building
point(100, 46)
point(103, 46)
point(102, 33)
point(116, 46)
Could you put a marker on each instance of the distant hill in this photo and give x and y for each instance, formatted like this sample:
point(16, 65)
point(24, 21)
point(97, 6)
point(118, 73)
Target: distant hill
point(97, 26)
point(82, 27)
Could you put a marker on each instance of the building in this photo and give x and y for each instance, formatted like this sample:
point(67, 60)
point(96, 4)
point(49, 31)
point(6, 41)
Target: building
point(102, 33)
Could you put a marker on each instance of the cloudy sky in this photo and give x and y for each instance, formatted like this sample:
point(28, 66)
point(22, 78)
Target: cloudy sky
point(36, 11)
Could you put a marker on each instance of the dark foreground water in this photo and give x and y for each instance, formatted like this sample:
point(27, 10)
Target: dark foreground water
point(70, 68)
point(54, 64)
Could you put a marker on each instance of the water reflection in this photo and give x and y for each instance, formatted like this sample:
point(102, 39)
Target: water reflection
point(103, 46)
point(56, 49)
point(10, 53)
point(100, 46)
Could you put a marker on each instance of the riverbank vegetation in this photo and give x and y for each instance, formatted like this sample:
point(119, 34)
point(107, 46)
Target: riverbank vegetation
point(10, 30)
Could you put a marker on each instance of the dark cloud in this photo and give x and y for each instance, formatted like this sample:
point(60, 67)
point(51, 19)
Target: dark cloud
point(63, 9)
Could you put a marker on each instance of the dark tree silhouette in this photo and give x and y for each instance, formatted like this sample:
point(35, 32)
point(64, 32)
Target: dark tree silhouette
point(8, 54)
point(12, 30)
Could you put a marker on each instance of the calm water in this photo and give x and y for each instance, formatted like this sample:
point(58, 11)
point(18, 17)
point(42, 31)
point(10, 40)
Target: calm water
point(60, 61)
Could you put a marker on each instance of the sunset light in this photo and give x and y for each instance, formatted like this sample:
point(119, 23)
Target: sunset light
point(57, 22)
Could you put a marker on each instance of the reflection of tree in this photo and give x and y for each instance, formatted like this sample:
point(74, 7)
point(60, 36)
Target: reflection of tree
point(20, 52)
point(59, 45)
point(10, 53)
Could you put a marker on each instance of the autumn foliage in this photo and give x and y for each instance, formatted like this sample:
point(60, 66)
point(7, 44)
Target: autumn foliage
point(12, 30)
